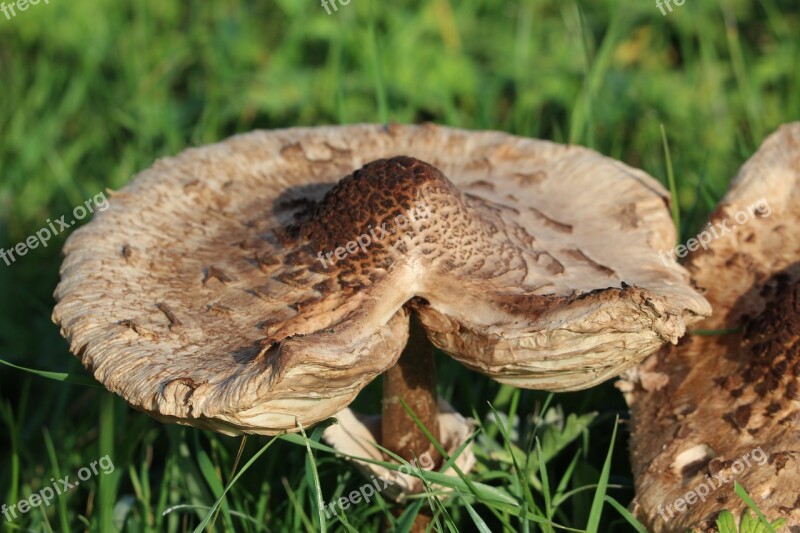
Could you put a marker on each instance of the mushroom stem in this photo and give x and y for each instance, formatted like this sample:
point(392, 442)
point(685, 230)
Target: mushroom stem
point(412, 379)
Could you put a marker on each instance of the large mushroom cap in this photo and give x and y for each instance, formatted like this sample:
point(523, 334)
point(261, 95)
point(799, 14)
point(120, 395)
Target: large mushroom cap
point(219, 289)
point(726, 407)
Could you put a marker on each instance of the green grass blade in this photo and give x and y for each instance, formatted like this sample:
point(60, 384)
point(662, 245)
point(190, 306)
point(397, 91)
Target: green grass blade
point(406, 520)
point(312, 477)
point(297, 505)
point(492, 497)
point(602, 485)
point(194, 508)
point(212, 478)
point(545, 482)
point(449, 461)
point(565, 479)
point(742, 493)
point(108, 483)
point(63, 516)
point(248, 464)
point(476, 519)
point(8, 415)
point(626, 515)
point(673, 189)
point(56, 376)
point(520, 473)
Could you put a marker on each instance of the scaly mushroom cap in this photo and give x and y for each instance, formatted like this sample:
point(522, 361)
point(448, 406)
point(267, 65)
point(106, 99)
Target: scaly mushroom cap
point(232, 287)
point(727, 406)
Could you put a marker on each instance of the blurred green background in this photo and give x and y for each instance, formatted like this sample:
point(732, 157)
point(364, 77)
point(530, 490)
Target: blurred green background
point(92, 92)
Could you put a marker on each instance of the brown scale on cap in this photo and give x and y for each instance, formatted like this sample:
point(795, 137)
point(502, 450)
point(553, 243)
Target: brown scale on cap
point(771, 366)
point(374, 196)
point(398, 208)
point(773, 340)
point(763, 391)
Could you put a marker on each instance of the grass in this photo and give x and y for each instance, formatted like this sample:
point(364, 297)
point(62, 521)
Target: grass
point(94, 91)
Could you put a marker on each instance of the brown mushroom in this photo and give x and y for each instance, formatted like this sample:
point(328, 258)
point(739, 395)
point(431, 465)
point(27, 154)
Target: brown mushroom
point(724, 407)
point(232, 287)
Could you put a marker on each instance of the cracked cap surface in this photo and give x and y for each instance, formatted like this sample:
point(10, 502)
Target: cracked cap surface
point(211, 291)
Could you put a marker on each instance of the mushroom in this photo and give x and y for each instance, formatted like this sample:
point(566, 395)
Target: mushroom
point(247, 287)
point(725, 407)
